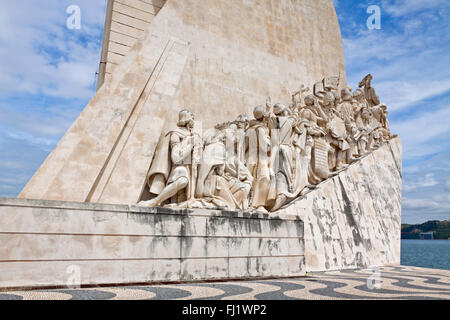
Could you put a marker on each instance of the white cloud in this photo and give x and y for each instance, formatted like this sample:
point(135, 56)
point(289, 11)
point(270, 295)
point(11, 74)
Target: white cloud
point(398, 8)
point(42, 55)
point(418, 132)
point(429, 181)
point(38, 127)
point(447, 185)
point(43, 60)
point(405, 70)
point(402, 94)
point(425, 181)
point(420, 204)
point(422, 209)
point(426, 189)
point(9, 165)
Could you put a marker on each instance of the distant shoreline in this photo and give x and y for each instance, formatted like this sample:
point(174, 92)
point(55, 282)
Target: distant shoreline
point(430, 230)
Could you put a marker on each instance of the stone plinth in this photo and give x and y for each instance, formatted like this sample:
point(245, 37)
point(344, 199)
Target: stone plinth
point(46, 243)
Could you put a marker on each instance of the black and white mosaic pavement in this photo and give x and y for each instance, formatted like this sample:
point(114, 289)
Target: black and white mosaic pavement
point(397, 282)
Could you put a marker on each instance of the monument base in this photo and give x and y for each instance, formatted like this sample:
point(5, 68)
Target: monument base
point(59, 244)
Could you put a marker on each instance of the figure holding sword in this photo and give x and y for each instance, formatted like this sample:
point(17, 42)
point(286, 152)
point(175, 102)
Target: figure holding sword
point(173, 174)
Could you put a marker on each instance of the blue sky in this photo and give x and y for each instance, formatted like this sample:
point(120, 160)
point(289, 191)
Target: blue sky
point(48, 75)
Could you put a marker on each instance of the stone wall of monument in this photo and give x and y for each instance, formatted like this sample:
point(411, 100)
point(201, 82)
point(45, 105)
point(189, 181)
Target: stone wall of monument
point(218, 58)
point(126, 22)
point(354, 219)
point(51, 243)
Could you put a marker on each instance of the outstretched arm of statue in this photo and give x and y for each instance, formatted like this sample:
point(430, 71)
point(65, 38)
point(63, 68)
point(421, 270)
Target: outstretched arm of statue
point(269, 105)
point(300, 126)
point(316, 132)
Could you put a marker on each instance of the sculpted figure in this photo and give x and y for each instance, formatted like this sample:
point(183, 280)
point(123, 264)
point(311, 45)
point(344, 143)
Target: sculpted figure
point(220, 184)
point(241, 122)
point(327, 105)
point(380, 115)
point(238, 178)
point(366, 123)
point(331, 84)
point(353, 136)
point(314, 112)
point(171, 174)
point(337, 98)
point(213, 160)
point(345, 108)
point(312, 127)
point(266, 163)
point(345, 111)
point(298, 99)
point(379, 121)
point(283, 163)
point(369, 92)
point(257, 146)
point(359, 104)
point(336, 137)
point(365, 132)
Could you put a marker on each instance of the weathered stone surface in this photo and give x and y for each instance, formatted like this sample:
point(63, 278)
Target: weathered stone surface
point(125, 22)
point(219, 58)
point(42, 241)
point(354, 219)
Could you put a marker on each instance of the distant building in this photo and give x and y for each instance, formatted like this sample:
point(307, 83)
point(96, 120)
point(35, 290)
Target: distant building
point(410, 235)
point(427, 236)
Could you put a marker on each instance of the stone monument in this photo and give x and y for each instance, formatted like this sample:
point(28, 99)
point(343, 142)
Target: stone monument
point(223, 143)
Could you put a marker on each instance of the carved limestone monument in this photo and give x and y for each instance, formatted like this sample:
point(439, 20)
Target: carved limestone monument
point(223, 142)
point(264, 168)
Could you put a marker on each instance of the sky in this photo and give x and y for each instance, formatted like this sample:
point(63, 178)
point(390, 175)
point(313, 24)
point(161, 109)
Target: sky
point(48, 75)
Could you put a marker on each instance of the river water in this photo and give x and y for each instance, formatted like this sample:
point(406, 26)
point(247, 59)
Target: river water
point(433, 254)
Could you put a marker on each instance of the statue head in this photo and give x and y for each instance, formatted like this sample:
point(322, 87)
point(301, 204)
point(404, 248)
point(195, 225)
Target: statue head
point(310, 100)
point(259, 112)
point(358, 94)
point(346, 94)
point(241, 121)
point(328, 99)
point(366, 114)
point(278, 109)
point(186, 119)
point(337, 97)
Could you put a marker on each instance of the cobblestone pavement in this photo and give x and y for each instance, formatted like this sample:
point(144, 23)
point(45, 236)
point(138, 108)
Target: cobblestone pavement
point(397, 282)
